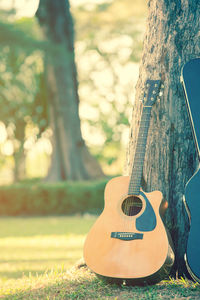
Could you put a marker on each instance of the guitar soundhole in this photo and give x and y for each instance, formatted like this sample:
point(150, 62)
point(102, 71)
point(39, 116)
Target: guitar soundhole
point(131, 206)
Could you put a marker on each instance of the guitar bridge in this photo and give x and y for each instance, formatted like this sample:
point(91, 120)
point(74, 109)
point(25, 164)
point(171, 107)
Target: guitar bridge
point(127, 236)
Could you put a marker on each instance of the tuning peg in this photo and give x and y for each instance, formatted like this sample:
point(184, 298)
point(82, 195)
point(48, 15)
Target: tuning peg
point(162, 86)
point(161, 93)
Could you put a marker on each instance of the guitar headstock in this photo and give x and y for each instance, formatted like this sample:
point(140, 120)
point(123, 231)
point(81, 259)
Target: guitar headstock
point(151, 92)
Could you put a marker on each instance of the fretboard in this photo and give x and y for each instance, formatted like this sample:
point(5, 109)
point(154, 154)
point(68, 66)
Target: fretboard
point(138, 162)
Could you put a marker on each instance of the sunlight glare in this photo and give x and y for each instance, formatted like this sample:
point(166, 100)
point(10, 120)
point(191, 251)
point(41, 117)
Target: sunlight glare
point(7, 148)
point(3, 133)
point(28, 8)
point(92, 135)
point(24, 8)
point(86, 111)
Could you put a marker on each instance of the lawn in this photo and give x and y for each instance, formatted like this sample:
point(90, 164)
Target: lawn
point(30, 247)
point(38, 260)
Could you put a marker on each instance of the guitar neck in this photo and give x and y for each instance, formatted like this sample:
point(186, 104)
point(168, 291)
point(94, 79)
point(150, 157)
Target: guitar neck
point(138, 162)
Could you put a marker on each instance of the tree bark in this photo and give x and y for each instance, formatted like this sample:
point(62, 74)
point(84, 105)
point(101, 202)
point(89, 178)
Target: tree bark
point(71, 159)
point(19, 171)
point(171, 39)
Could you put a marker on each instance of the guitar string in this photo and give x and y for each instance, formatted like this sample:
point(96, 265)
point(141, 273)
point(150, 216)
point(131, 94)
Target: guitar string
point(128, 221)
point(131, 205)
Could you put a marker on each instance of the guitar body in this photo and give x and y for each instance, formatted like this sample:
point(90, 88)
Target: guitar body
point(191, 84)
point(132, 247)
point(192, 203)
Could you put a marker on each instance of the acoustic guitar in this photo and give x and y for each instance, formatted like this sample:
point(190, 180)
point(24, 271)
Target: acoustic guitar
point(129, 242)
point(191, 82)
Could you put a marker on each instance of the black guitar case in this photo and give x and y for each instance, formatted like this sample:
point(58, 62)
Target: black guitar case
point(190, 78)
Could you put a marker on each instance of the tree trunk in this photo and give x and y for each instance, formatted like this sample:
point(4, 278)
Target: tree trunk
point(20, 168)
point(171, 39)
point(71, 159)
point(19, 155)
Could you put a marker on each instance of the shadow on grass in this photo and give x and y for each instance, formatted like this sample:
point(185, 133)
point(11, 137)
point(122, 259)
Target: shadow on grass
point(82, 284)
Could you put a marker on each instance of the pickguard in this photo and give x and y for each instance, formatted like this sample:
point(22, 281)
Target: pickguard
point(146, 221)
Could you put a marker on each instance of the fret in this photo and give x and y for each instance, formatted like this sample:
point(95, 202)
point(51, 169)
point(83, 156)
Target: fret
point(144, 122)
point(141, 145)
point(140, 148)
point(135, 175)
point(139, 153)
point(135, 187)
point(139, 157)
point(141, 139)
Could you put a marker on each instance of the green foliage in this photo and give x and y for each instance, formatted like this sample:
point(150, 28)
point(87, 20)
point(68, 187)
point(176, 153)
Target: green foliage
point(108, 47)
point(62, 198)
point(23, 33)
point(21, 72)
point(22, 97)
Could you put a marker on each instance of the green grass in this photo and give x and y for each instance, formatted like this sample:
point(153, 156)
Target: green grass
point(38, 259)
point(30, 247)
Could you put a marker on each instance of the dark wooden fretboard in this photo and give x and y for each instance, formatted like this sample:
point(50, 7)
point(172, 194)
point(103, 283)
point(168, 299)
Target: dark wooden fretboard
point(138, 162)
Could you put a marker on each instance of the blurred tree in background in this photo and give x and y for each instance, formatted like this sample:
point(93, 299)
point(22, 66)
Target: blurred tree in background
point(21, 68)
point(71, 159)
point(108, 47)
